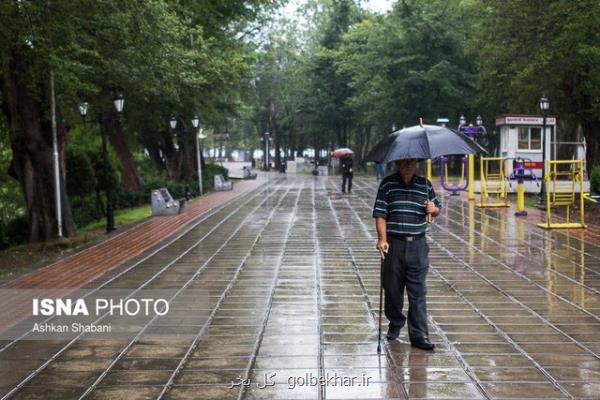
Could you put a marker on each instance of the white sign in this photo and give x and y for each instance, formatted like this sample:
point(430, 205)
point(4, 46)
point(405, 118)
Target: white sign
point(524, 120)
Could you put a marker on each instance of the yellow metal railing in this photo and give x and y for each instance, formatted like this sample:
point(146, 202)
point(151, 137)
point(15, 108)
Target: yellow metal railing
point(461, 180)
point(493, 183)
point(561, 179)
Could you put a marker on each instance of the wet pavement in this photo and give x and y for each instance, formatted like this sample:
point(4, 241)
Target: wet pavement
point(292, 278)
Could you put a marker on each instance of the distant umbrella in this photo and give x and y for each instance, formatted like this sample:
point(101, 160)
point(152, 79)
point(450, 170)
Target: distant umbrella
point(423, 142)
point(344, 151)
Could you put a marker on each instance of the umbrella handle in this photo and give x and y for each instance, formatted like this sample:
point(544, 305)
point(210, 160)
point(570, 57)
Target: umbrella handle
point(429, 216)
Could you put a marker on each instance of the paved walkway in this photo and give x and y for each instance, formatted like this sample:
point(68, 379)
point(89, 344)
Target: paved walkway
point(82, 267)
point(293, 288)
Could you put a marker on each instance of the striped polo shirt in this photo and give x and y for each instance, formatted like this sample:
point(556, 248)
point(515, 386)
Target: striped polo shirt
point(402, 205)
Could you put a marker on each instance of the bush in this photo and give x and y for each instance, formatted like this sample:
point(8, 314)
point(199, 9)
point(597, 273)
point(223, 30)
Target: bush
point(595, 179)
point(13, 232)
point(85, 167)
point(81, 177)
point(13, 218)
point(87, 209)
point(208, 173)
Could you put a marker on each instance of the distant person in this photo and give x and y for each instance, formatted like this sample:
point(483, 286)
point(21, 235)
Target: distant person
point(283, 165)
point(315, 170)
point(347, 173)
point(380, 171)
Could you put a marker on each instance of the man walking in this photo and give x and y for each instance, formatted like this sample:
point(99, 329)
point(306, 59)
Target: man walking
point(347, 173)
point(403, 202)
point(379, 170)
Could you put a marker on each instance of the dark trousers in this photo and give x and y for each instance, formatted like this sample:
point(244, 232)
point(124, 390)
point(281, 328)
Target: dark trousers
point(347, 176)
point(405, 266)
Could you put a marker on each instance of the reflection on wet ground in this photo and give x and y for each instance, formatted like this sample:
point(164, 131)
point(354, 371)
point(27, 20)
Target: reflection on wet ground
point(293, 303)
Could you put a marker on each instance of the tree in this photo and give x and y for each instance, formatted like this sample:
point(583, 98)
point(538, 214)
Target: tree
point(530, 48)
point(166, 57)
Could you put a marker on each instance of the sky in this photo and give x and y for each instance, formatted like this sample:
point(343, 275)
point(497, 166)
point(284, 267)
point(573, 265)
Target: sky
point(378, 6)
point(291, 7)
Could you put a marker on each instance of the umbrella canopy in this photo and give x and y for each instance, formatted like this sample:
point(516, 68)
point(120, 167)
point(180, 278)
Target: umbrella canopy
point(344, 151)
point(423, 142)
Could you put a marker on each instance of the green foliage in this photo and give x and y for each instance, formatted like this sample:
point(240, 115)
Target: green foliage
point(85, 176)
point(526, 49)
point(122, 217)
point(81, 176)
point(87, 208)
point(166, 57)
point(359, 73)
point(13, 231)
point(208, 174)
point(341, 79)
point(13, 221)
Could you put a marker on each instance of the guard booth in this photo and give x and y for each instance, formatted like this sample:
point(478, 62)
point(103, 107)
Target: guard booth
point(521, 137)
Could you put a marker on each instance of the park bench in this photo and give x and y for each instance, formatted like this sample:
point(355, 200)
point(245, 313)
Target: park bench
point(164, 204)
point(220, 185)
point(247, 173)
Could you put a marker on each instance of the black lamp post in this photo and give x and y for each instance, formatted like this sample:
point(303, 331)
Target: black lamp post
point(266, 139)
point(118, 101)
point(544, 106)
point(186, 187)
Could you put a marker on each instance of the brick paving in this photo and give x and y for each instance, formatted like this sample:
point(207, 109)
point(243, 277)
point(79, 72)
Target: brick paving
point(82, 267)
point(292, 282)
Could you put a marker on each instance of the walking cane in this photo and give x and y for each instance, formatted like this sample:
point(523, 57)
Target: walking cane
point(380, 301)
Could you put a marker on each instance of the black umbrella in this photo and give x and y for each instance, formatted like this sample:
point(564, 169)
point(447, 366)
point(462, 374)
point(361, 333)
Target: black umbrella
point(423, 142)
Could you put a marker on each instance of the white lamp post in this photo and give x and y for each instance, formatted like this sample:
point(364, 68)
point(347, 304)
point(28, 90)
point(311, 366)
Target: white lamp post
point(199, 136)
point(544, 107)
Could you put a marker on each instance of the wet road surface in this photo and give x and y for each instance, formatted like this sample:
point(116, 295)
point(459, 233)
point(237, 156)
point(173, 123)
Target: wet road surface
point(292, 278)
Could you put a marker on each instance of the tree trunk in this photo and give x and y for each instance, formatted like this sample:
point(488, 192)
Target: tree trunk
point(31, 141)
point(154, 151)
point(130, 177)
point(274, 134)
point(368, 134)
point(340, 136)
point(591, 131)
point(359, 144)
point(170, 155)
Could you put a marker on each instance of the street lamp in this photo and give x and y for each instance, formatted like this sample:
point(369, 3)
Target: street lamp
point(186, 186)
point(544, 106)
point(195, 121)
point(173, 122)
point(473, 132)
point(83, 107)
point(118, 101)
point(199, 136)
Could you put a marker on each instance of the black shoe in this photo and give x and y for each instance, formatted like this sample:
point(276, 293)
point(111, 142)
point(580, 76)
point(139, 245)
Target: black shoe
point(393, 332)
point(423, 344)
